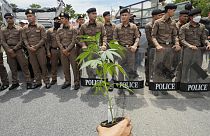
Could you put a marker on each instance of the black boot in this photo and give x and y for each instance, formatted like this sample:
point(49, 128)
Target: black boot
point(48, 86)
point(36, 85)
point(146, 83)
point(14, 86)
point(65, 85)
point(29, 86)
point(4, 87)
point(53, 82)
point(76, 87)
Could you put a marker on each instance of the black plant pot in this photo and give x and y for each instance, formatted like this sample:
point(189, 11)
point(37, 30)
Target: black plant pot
point(108, 125)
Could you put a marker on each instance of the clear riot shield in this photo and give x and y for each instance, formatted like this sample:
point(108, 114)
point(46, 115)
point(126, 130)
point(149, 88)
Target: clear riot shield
point(164, 69)
point(133, 64)
point(195, 70)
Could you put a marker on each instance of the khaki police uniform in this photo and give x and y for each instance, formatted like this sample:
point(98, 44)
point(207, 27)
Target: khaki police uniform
point(35, 36)
point(92, 29)
point(12, 39)
point(54, 51)
point(127, 36)
point(66, 38)
point(164, 33)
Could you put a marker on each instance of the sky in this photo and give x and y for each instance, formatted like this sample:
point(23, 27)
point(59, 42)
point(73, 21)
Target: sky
point(80, 6)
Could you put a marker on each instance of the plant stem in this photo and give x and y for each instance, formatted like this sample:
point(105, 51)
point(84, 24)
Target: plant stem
point(108, 95)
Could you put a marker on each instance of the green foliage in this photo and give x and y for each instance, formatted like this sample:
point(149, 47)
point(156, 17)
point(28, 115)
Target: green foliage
point(103, 62)
point(35, 6)
point(69, 9)
point(100, 19)
point(72, 13)
point(204, 5)
point(13, 5)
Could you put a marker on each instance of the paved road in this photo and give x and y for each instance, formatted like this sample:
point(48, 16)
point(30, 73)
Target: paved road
point(57, 112)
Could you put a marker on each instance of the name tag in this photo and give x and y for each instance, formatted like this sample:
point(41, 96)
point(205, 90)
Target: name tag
point(37, 30)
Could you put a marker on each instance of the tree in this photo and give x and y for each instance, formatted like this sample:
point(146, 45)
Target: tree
point(100, 19)
point(69, 9)
point(13, 5)
point(35, 6)
point(72, 13)
point(204, 5)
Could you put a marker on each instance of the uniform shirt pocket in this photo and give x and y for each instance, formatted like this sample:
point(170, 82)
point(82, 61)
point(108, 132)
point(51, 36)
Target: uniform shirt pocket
point(16, 33)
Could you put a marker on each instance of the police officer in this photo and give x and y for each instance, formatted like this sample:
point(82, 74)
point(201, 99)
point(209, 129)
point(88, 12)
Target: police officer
point(66, 39)
point(12, 43)
point(91, 28)
point(183, 19)
point(192, 36)
point(109, 27)
point(23, 23)
point(156, 14)
point(164, 36)
point(138, 55)
point(34, 37)
point(53, 51)
point(3, 71)
point(80, 21)
point(127, 34)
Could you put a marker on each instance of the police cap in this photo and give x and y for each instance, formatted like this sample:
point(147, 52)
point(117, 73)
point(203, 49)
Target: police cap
point(90, 10)
point(8, 15)
point(30, 11)
point(194, 11)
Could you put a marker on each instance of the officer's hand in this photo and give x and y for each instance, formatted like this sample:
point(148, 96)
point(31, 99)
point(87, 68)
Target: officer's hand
point(159, 47)
point(49, 55)
point(193, 47)
point(133, 48)
point(103, 47)
point(123, 128)
point(10, 51)
point(65, 52)
point(208, 47)
point(32, 49)
point(177, 47)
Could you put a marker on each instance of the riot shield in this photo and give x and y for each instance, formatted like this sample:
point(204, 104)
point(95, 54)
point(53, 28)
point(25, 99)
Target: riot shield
point(164, 69)
point(195, 75)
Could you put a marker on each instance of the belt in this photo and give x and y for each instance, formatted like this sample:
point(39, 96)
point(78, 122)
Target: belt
point(11, 45)
point(17, 48)
point(55, 48)
point(166, 43)
point(126, 46)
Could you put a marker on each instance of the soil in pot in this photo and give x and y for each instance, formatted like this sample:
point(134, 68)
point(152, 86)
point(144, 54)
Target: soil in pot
point(108, 125)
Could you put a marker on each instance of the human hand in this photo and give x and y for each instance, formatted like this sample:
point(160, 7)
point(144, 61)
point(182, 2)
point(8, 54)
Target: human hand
point(123, 128)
